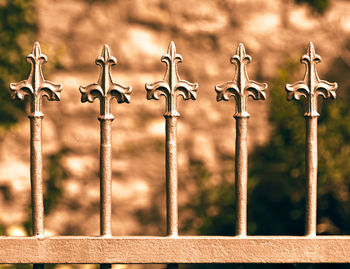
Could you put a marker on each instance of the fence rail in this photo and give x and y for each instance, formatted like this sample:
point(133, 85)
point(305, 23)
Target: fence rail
point(173, 249)
point(182, 249)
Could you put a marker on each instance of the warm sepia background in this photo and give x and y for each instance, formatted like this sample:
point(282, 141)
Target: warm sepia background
point(206, 34)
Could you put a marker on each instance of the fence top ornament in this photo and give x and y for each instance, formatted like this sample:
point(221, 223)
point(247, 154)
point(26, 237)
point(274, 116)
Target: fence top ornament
point(171, 86)
point(36, 86)
point(311, 87)
point(105, 89)
point(241, 87)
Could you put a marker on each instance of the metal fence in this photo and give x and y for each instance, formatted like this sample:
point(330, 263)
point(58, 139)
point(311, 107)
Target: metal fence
point(172, 249)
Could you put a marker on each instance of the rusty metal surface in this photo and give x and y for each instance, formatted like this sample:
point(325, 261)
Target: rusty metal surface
point(241, 87)
point(36, 87)
point(191, 249)
point(311, 87)
point(105, 90)
point(171, 87)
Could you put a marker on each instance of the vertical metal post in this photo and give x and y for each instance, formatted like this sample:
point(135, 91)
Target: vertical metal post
point(241, 88)
point(311, 87)
point(171, 87)
point(171, 175)
point(37, 87)
point(105, 90)
point(241, 175)
point(36, 180)
point(311, 175)
point(105, 176)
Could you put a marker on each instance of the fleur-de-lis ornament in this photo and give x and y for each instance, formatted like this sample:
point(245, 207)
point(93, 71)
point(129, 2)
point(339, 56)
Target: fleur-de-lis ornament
point(36, 86)
point(105, 89)
point(241, 87)
point(171, 86)
point(311, 86)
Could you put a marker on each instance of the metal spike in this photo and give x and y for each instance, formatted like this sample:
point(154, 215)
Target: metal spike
point(311, 87)
point(241, 88)
point(105, 89)
point(171, 86)
point(36, 87)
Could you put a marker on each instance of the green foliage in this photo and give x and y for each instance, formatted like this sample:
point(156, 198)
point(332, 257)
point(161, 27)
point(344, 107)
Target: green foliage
point(278, 167)
point(53, 185)
point(318, 6)
point(213, 206)
point(56, 173)
point(18, 28)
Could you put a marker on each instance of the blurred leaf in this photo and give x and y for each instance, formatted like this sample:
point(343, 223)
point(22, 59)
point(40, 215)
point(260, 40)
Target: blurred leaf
point(318, 6)
point(18, 29)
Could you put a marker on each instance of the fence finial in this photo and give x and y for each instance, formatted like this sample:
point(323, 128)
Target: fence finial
point(36, 86)
point(171, 86)
point(105, 89)
point(311, 86)
point(241, 87)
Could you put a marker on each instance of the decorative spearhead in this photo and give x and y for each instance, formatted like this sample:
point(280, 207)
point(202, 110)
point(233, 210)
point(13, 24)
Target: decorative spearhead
point(241, 87)
point(311, 87)
point(171, 86)
point(36, 86)
point(105, 89)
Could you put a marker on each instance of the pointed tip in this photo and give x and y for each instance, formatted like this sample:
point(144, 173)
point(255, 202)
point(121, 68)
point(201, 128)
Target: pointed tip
point(171, 47)
point(36, 49)
point(105, 52)
point(311, 48)
point(241, 46)
point(241, 49)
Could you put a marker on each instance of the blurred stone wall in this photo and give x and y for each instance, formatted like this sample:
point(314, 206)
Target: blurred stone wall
point(206, 34)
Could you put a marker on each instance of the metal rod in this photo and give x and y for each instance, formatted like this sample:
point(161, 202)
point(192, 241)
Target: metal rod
point(311, 87)
point(241, 172)
point(311, 175)
point(171, 175)
point(239, 88)
point(36, 180)
point(105, 90)
point(171, 87)
point(105, 176)
point(36, 87)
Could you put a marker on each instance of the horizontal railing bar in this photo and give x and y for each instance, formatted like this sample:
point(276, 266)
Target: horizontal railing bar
point(182, 249)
